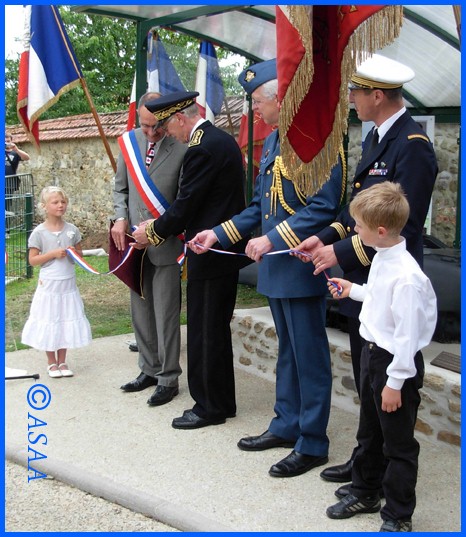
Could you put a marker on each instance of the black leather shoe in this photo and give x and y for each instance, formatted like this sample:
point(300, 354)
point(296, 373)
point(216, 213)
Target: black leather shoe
point(265, 441)
point(162, 395)
point(190, 420)
point(338, 474)
point(133, 346)
point(350, 506)
point(396, 525)
point(296, 464)
point(343, 491)
point(141, 383)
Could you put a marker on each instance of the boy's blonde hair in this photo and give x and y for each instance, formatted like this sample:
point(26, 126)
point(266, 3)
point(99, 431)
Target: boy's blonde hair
point(384, 205)
point(45, 194)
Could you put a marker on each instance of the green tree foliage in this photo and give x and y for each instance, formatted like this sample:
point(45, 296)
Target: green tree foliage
point(106, 49)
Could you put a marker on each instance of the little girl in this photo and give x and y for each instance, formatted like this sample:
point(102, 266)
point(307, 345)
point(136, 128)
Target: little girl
point(57, 321)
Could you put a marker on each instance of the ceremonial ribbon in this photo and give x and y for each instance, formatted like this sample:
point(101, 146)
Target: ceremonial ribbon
point(338, 287)
point(85, 265)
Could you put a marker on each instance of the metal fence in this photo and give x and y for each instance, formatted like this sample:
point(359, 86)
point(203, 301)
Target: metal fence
point(19, 218)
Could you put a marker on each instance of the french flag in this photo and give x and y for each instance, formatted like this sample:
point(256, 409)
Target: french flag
point(48, 66)
point(161, 75)
point(208, 82)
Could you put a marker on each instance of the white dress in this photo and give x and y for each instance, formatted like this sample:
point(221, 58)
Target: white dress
point(56, 319)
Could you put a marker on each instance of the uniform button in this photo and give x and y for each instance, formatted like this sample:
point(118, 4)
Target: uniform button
point(348, 229)
point(357, 185)
point(266, 216)
point(371, 346)
point(268, 172)
point(267, 194)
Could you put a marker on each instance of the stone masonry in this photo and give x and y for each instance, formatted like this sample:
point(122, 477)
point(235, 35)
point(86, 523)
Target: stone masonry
point(255, 347)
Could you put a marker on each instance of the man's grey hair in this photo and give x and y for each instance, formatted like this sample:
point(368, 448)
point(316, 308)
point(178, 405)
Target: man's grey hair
point(270, 88)
point(191, 111)
point(148, 96)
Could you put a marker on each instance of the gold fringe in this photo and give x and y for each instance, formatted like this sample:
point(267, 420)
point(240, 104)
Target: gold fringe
point(378, 31)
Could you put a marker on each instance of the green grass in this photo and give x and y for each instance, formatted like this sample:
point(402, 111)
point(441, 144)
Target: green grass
point(106, 301)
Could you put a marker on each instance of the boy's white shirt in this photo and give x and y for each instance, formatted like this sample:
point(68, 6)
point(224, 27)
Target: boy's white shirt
point(399, 310)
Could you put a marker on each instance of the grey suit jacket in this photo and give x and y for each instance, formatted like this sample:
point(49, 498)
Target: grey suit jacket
point(165, 172)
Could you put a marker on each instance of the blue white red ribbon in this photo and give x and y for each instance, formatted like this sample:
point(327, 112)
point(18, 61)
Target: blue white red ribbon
point(85, 265)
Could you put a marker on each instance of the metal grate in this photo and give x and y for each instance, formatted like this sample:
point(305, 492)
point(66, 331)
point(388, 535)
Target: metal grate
point(19, 218)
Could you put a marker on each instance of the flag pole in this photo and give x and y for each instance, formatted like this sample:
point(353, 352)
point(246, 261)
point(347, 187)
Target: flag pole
point(457, 13)
point(99, 124)
point(227, 110)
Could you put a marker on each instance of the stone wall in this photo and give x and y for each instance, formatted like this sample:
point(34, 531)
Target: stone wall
point(83, 168)
point(255, 347)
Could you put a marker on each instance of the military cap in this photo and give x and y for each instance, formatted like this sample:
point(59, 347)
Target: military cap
point(170, 104)
point(258, 74)
point(378, 72)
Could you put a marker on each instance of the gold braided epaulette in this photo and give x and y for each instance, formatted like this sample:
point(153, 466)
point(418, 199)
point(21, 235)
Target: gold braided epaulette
point(421, 136)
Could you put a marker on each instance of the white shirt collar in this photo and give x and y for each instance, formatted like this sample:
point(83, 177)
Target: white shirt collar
point(196, 126)
point(387, 124)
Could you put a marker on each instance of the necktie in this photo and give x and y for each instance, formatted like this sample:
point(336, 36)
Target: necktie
point(150, 154)
point(375, 140)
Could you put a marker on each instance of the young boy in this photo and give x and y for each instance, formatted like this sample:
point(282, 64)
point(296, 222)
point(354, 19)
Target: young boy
point(398, 318)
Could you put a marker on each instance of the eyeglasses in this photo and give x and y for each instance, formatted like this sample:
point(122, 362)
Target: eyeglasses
point(163, 125)
point(146, 126)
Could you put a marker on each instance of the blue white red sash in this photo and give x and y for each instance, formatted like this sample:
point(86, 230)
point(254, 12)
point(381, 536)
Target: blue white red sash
point(150, 194)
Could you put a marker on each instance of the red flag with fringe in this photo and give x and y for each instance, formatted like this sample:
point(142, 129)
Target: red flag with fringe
point(318, 49)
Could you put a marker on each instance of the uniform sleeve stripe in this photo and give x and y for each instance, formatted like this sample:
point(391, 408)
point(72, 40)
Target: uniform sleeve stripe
point(231, 231)
point(339, 229)
point(359, 250)
point(288, 235)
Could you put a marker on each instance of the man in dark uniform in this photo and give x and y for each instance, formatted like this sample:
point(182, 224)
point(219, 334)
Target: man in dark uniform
point(211, 191)
point(296, 297)
point(398, 150)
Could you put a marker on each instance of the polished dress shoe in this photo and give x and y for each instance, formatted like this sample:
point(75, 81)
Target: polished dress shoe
point(350, 506)
point(296, 464)
point(190, 420)
point(162, 395)
point(133, 346)
point(338, 474)
point(265, 441)
point(343, 491)
point(141, 383)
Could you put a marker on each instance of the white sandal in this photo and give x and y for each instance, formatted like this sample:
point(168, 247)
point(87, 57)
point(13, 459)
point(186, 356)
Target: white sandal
point(65, 372)
point(55, 374)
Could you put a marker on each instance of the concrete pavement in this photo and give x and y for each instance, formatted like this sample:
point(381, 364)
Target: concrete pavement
point(114, 446)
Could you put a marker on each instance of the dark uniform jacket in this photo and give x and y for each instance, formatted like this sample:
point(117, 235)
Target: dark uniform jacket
point(287, 217)
point(211, 191)
point(404, 155)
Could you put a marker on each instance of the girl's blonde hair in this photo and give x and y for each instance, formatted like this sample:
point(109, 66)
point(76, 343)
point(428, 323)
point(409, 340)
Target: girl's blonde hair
point(45, 194)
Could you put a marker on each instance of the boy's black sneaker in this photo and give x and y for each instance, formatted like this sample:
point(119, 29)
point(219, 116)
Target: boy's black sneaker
point(396, 525)
point(350, 506)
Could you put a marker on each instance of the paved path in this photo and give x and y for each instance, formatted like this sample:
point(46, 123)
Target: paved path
point(114, 446)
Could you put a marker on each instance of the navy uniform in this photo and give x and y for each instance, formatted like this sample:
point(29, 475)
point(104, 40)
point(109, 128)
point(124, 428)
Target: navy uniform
point(404, 155)
point(211, 191)
point(296, 297)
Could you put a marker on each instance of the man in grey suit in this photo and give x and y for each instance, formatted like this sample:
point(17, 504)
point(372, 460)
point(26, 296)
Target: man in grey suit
point(156, 317)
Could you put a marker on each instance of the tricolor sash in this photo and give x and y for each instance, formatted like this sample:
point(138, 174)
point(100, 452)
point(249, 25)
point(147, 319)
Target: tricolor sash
point(150, 194)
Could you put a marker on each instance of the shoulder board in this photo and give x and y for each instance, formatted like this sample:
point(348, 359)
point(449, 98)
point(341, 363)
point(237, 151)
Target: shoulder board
point(421, 136)
point(196, 139)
